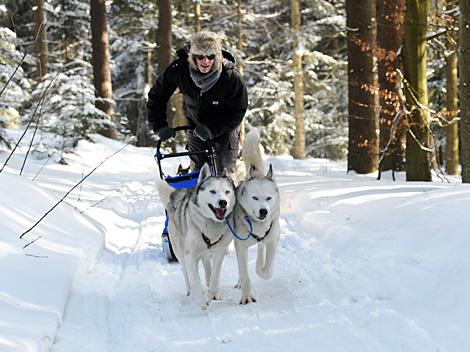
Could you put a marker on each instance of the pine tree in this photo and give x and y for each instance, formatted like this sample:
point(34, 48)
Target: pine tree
point(452, 131)
point(362, 80)
point(100, 55)
point(14, 87)
point(42, 53)
point(464, 87)
point(299, 142)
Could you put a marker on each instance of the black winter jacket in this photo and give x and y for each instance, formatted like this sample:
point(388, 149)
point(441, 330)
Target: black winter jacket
point(221, 108)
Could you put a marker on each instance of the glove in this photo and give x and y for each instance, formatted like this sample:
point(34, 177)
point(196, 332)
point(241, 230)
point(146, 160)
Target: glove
point(165, 133)
point(202, 132)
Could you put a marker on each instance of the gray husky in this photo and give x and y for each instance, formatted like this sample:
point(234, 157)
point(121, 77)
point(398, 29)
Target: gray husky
point(258, 205)
point(197, 229)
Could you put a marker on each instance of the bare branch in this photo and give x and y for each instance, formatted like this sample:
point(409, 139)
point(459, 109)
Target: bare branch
point(29, 122)
point(30, 243)
point(70, 191)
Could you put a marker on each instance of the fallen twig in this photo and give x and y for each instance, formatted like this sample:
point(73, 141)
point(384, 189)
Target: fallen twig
point(30, 243)
point(70, 191)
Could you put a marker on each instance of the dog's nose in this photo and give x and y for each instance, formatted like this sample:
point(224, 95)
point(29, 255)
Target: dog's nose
point(263, 212)
point(222, 203)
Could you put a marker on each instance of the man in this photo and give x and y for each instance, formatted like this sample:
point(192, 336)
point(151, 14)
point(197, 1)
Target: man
point(215, 99)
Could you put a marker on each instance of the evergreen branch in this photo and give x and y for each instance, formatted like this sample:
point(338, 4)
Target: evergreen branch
point(41, 103)
point(70, 191)
point(40, 30)
point(29, 122)
point(3, 139)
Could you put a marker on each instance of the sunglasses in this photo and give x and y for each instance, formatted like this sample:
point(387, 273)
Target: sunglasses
point(201, 57)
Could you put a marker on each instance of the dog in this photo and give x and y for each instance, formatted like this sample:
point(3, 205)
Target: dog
point(258, 204)
point(198, 231)
point(182, 170)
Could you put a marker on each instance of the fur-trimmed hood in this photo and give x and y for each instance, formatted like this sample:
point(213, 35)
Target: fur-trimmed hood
point(206, 43)
point(228, 58)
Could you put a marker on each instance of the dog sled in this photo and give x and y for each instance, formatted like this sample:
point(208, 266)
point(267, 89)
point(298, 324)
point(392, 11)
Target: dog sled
point(180, 180)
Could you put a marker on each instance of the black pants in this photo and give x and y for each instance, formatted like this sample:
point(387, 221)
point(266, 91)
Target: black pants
point(226, 150)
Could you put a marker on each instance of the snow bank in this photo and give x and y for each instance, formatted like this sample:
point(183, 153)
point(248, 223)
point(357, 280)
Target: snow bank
point(35, 281)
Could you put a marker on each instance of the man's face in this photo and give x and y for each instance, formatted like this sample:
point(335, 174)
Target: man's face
point(204, 63)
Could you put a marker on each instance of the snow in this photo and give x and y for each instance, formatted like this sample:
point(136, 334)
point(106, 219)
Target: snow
point(363, 265)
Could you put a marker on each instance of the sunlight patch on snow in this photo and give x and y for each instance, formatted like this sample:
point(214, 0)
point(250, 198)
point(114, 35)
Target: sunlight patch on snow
point(8, 249)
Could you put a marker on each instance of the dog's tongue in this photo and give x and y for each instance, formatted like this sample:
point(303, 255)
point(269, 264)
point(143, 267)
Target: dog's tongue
point(219, 213)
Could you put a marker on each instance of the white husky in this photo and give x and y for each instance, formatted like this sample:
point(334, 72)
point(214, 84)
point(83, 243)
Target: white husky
point(197, 230)
point(257, 206)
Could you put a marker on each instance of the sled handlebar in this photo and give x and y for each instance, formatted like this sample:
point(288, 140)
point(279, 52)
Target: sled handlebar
point(209, 152)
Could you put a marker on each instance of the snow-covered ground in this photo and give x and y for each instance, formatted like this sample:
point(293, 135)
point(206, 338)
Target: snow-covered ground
point(363, 265)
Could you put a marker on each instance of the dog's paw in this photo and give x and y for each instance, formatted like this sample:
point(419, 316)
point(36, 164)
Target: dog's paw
point(202, 299)
point(248, 299)
point(265, 274)
point(205, 305)
point(216, 296)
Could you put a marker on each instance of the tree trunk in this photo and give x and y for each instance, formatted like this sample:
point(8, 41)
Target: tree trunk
point(418, 151)
point(452, 131)
point(390, 16)
point(100, 59)
point(363, 146)
point(299, 143)
point(41, 40)
point(164, 49)
point(464, 87)
point(164, 35)
point(142, 129)
point(197, 16)
point(239, 64)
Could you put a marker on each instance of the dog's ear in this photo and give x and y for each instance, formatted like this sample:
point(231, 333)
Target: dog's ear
point(269, 175)
point(180, 169)
point(251, 173)
point(204, 173)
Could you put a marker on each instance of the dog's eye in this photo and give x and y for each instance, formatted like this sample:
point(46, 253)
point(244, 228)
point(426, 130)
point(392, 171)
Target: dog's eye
point(269, 198)
point(212, 191)
point(227, 192)
point(255, 198)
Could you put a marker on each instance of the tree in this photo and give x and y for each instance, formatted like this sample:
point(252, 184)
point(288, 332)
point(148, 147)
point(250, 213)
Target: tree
point(452, 131)
point(362, 82)
point(100, 54)
point(164, 34)
point(464, 87)
point(239, 63)
point(390, 18)
point(164, 47)
point(299, 142)
point(41, 41)
point(16, 94)
point(197, 16)
point(418, 151)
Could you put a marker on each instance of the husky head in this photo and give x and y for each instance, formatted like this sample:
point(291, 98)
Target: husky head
point(259, 195)
point(215, 195)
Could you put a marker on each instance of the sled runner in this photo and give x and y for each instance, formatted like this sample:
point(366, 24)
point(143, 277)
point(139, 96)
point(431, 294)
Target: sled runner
point(185, 180)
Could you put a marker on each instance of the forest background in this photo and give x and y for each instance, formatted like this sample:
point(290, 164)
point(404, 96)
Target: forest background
point(78, 67)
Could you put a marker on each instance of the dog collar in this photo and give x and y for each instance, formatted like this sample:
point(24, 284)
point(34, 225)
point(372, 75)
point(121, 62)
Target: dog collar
point(259, 239)
point(208, 241)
